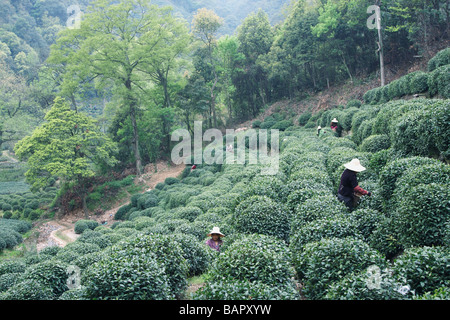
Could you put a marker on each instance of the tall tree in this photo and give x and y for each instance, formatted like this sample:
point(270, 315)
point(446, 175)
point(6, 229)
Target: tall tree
point(68, 146)
point(230, 66)
point(117, 45)
point(255, 36)
point(206, 23)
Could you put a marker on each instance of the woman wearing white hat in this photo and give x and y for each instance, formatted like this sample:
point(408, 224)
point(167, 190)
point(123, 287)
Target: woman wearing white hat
point(215, 241)
point(349, 184)
point(334, 124)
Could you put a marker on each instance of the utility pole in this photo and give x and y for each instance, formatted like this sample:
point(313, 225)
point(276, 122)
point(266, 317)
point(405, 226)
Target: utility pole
point(376, 17)
point(380, 45)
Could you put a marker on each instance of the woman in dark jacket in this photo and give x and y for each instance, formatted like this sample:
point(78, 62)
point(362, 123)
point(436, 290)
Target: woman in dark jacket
point(349, 184)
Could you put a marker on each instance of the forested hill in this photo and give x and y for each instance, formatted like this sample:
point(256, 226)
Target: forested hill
point(232, 11)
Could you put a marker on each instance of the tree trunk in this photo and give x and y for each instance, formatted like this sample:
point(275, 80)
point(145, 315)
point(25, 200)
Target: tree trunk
point(213, 101)
point(347, 68)
point(135, 140)
point(381, 49)
point(85, 208)
point(74, 103)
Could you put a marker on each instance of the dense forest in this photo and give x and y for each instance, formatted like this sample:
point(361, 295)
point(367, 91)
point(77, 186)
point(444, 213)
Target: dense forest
point(209, 70)
point(91, 93)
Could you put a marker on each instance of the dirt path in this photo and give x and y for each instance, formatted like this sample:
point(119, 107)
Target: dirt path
point(61, 232)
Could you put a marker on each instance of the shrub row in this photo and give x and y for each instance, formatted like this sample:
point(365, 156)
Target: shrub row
point(436, 82)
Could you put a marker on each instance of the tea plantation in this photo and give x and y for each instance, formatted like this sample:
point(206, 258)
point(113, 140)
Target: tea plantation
point(287, 235)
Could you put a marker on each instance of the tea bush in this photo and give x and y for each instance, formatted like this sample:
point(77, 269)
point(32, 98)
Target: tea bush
point(96, 238)
point(254, 258)
point(122, 211)
point(7, 280)
point(85, 224)
point(126, 274)
point(439, 82)
point(52, 274)
point(270, 186)
point(314, 208)
point(195, 252)
point(324, 262)
point(30, 289)
point(370, 284)
point(424, 174)
point(418, 82)
point(168, 254)
point(9, 238)
point(260, 214)
point(442, 58)
point(375, 143)
point(337, 226)
point(425, 269)
point(395, 169)
point(231, 289)
point(442, 293)
point(384, 238)
point(189, 213)
point(422, 213)
point(347, 118)
point(297, 197)
point(366, 220)
point(12, 266)
point(412, 134)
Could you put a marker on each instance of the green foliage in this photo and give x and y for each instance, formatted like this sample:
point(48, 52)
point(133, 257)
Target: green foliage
point(366, 221)
point(51, 274)
point(195, 253)
point(7, 280)
point(122, 211)
point(304, 118)
point(337, 226)
point(82, 225)
point(12, 266)
point(422, 213)
point(442, 58)
point(260, 214)
point(316, 207)
point(370, 284)
point(395, 169)
point(322, 263)
point(282, 125)
point(256, 259)
point(439, 82)
point(384, 238)
point(442, 293)
point(30, 289)
point(168, 254)
point(375, 143)
point(76, 143)
point(189, 213)
point(422, 174)
point(425, 269)
point(354, 104)
point(419, 82)
point(126, 274)
point(244, 290)
point(256, 124)
point(11, 230)
point(170, 180)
